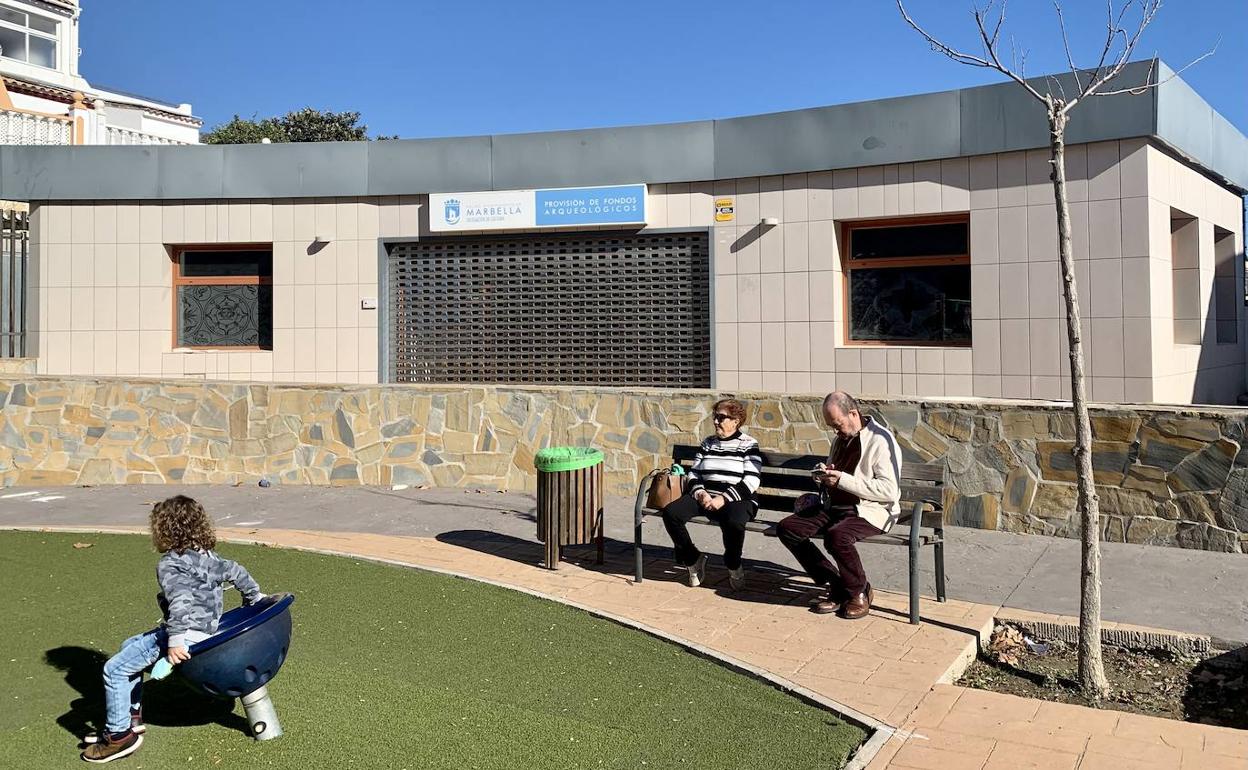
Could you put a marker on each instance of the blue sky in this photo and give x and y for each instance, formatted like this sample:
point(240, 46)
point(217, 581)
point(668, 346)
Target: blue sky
point(418, 68)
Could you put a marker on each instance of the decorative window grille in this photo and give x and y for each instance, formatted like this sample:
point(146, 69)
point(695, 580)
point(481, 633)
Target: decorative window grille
point(557, 309)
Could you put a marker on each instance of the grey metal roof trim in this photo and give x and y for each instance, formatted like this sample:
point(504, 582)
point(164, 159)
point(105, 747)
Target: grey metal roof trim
point(949, 124)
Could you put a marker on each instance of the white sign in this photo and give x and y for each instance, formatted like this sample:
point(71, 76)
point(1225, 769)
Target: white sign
point(525, 209)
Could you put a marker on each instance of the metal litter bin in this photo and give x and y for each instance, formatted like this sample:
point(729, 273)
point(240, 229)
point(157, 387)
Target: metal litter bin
point(569, 499)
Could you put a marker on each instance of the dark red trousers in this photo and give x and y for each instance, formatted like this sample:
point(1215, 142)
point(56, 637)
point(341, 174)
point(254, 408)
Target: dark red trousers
point(840, 528)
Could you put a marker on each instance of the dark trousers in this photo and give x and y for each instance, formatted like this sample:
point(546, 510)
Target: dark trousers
point(731, 519)
point(840, 529)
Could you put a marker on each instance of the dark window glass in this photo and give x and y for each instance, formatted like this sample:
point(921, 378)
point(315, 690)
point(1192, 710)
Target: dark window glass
point(13, 17)
point(41, 24)
point(917, 304)
point(226, 316)
point(43, 52)
point(217, 264)
point(910, 241)
point(12, 44)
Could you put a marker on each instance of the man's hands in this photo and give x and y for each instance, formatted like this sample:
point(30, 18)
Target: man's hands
point(708, 501)
point(826, 476)
point(178, 655)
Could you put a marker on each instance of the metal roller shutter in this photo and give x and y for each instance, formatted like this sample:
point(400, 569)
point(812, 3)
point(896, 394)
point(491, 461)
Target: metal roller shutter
point(553, 309)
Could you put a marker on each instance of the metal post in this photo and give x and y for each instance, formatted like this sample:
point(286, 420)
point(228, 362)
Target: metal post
point(261, 716)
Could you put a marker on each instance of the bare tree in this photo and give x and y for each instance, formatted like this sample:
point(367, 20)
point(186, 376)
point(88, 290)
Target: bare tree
point(1121, 38)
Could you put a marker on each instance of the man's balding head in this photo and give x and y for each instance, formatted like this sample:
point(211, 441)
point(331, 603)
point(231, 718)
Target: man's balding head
point(840, 413)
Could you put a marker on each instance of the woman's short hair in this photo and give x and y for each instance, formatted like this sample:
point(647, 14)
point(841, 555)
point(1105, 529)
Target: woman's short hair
point(732, 407)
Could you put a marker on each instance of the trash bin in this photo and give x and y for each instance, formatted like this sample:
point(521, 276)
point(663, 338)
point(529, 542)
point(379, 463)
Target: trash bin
point(569, 499)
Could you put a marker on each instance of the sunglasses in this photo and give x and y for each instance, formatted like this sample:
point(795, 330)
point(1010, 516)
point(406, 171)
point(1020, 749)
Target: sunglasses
point(722, 417)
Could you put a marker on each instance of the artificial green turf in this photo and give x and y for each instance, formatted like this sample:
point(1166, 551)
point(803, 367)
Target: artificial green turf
point(389, 668)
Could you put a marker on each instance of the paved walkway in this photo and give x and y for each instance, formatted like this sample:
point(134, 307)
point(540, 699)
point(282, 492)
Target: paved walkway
point(881, 667)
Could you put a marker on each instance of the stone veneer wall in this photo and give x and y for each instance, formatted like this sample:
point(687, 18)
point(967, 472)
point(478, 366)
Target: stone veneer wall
point(1167, 476)
point(10, 366)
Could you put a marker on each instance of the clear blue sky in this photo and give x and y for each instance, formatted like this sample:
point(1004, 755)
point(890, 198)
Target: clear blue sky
point(418, 68)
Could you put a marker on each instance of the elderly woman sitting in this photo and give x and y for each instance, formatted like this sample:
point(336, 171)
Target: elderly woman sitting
point(722, 483)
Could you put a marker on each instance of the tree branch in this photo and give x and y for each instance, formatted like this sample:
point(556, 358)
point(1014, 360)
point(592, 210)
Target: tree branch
point(1070, 60)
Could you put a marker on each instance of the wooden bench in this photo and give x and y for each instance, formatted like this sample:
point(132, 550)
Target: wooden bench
point(786, 476)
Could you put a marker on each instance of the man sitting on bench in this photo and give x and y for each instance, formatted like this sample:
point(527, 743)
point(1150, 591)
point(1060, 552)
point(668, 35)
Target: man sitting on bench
point(858, 497)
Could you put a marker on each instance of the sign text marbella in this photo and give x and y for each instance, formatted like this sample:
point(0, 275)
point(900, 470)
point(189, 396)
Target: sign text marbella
point(519, 209)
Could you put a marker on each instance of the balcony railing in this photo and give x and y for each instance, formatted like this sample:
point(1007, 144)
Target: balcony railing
point(117, 135)
point(32, 128)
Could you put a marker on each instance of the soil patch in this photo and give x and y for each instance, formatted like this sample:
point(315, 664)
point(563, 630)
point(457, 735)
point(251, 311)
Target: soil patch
point(1209, 688)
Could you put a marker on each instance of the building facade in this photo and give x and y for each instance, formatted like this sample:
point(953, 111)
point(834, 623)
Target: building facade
point(833, 248)
point(44, 99)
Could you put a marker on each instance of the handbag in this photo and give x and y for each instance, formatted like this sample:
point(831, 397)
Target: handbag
point(665, 488)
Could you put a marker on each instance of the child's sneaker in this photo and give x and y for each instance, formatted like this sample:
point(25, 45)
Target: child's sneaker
point(697, 572)
point(736, 578)
point(113, 747)
point(136, 726)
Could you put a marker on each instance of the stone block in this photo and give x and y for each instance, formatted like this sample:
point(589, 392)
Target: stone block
point(1206, 471)
point(901, 418)
point(238, 419)
point(1055, 501)
point(1233, 503)
point(342, 429)
point(1165, 452)
point(1187, 427)
point(98, 471)
point(766, 414)
point(1025, 425)
point(930, 444)
point(998, 455)
point(1020, 490)
point(447, 475)
point(1115, 426)
point(487, 465)
point(459, 442)
point(1109, 461)
point(413, 475)
point(956, 425)
point(980, 511)
point(345, 473)
point(1114, 529)
point(1144, 531)
point(1197, 507)
point(1148, 479)
point(1127, 503)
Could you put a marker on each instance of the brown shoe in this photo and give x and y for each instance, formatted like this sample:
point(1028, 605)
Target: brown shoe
point(111, 747)
point(825, 606)
point(858, 607)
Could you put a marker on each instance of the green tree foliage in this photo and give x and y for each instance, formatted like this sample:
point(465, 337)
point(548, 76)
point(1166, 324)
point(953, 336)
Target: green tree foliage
point(306, 125)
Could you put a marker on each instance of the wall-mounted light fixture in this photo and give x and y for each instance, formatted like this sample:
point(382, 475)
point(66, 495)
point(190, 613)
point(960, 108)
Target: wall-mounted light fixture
point(769, 221)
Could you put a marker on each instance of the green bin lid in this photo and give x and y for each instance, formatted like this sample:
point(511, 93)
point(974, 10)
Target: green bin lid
point(566, 458)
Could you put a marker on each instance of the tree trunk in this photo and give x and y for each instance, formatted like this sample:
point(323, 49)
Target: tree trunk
point(1091, 665)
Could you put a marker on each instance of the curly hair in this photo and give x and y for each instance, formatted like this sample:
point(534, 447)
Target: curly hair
point(181, 524)
point(732, 407)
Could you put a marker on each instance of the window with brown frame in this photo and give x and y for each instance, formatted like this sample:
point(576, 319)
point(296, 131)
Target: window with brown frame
point(908, 281)
point(223, 297)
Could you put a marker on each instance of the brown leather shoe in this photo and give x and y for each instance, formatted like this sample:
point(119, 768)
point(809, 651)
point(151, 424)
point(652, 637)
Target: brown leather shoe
point(825, 606)
point(858, 607)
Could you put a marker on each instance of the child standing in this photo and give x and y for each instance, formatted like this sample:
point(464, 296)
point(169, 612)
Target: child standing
point(190, 575)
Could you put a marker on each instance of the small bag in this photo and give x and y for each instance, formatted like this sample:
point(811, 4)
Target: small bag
point(665, 488)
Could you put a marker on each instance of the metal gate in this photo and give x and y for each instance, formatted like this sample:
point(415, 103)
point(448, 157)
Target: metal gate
point(552, 309)
point(14, 253)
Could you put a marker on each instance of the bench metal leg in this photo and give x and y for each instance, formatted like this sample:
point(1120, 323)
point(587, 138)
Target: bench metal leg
point(940, 568)
point(638, 506)
point(916, 522)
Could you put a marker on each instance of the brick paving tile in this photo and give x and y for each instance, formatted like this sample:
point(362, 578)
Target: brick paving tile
point(880, 649)
point(1164, 732)
point(905, 706)
point(958, 743)
point(1066, 738)
point(913, 755)
point(935, 706)
point(875, 701)
point(771, 627)
point(1097, 761)
point(735, 642)
point(921, 655)
point(781, 666)
point(884, 757)
point(937, 638)
point(996, 706)
point(884, 678)
point(1144, 751)
point(1203, 760)
point(1227, 742)
point(1015, 756)
point(1094, 721)
point(830, 669)
point(838, 659)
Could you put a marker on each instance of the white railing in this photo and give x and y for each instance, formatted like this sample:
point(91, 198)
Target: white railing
point(30, 128)
point(117, 135)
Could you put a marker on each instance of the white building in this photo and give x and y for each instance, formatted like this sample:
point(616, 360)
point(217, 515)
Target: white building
point(45, 100)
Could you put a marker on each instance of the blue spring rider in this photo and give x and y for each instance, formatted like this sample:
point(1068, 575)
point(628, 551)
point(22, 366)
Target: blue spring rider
point(241, 658)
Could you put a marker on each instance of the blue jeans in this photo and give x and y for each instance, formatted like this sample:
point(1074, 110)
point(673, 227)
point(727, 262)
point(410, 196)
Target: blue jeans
point(123, 676)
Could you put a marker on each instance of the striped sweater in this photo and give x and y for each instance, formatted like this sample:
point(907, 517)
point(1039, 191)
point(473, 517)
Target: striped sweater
point(727, 466)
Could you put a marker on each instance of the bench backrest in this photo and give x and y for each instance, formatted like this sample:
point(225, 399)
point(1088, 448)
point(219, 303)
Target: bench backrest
point(787, 476)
